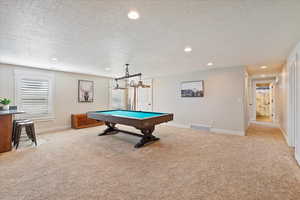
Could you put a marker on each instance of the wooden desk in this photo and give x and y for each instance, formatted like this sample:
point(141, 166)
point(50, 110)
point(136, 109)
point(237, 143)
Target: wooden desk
point(6, 118)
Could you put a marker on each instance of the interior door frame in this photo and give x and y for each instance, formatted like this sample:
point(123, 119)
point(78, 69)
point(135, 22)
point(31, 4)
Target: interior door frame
point(292, 100)
point(297, 134)
point(254, 99)
point(273, 101)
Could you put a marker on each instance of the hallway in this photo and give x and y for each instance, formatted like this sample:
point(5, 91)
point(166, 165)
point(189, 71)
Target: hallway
point(266, 132)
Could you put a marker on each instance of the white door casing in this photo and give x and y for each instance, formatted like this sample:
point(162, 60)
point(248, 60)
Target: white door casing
point(272, 100)
point(297, 133)
point(292, 100)
point(253, 109)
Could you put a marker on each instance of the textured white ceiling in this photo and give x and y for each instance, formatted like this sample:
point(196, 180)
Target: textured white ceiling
point(90, 35)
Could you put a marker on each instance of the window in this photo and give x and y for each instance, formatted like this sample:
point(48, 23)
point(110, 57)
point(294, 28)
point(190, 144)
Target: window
point(117, 97)
point(34, 94)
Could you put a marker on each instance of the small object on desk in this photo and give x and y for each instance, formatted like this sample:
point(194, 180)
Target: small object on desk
point(5, 102)
point(144, 121)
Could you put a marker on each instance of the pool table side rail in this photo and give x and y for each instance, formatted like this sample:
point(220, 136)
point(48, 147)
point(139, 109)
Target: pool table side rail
point(130, 111)
point(130, 121)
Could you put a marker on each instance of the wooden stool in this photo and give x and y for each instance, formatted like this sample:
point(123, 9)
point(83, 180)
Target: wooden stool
point(30, 131)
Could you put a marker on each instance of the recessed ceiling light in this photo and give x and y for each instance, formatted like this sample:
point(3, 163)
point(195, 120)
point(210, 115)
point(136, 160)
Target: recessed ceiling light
point(210, 64)
point(107, 69)
point(264, 67)
point(54, 59)
point(133, 15)
point(188, 49)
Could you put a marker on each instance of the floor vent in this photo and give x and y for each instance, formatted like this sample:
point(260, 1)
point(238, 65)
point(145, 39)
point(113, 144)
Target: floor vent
point(202, 127)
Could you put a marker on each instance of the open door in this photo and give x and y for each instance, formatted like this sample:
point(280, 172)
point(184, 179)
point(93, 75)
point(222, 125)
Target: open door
point(272, 100)
point(144, 97)
point(264, 102)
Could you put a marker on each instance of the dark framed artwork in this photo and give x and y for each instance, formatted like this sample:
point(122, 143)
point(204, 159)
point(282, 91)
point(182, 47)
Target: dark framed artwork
point(85, 91)
point(192, 89)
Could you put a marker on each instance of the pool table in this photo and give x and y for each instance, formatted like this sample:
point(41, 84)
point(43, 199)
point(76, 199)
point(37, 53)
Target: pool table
point(144, 121)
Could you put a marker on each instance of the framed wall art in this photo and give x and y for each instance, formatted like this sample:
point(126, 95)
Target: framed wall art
point(192, 89)
point(85, 91)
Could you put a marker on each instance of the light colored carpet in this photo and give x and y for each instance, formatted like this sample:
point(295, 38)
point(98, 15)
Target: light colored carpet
point(184, 165)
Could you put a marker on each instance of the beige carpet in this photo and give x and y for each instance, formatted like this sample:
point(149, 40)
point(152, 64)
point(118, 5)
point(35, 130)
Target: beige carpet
point(184, 165)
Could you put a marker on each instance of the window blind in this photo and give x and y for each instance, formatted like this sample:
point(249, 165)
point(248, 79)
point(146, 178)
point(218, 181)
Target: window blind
point(34, 94)
point(34, 97)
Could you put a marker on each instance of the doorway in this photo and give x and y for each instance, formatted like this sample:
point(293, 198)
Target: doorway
point(144, 96)
point(264, 96)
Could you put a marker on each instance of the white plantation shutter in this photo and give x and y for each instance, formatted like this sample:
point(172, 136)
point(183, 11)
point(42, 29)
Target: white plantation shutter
point(34, 97)
point(34, 94)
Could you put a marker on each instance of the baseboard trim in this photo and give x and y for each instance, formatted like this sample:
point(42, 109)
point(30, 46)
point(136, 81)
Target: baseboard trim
point(249, 123)
point(297, 157)
point(177, 125)
point(270, 124)
point(227, 131)
point(52, 129)
point(213, 130)
point(285, 136)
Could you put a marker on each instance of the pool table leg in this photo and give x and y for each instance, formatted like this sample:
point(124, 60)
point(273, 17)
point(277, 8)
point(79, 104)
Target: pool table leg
point(110, 129)
point(147, 137)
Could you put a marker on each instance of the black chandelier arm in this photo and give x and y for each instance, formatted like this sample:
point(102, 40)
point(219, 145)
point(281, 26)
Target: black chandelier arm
point(128, 76)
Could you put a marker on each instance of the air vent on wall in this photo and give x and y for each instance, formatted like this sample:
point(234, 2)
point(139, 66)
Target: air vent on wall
point(202, 127)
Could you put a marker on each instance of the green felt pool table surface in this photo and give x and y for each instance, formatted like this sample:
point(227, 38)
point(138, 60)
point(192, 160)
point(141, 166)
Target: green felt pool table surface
point(131, 114)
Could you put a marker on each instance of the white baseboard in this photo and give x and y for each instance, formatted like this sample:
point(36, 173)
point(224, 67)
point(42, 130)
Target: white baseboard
point(177, 125)
point(227, 131)
point(297, 157)
point(214, 130)
point(285, 136)
point(270, 124)
point(52, 129)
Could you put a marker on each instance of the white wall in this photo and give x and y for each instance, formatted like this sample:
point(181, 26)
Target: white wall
point(281, 100)
point(297, 137)
point(294, 57)
point(222, 106)
point(65, 98)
